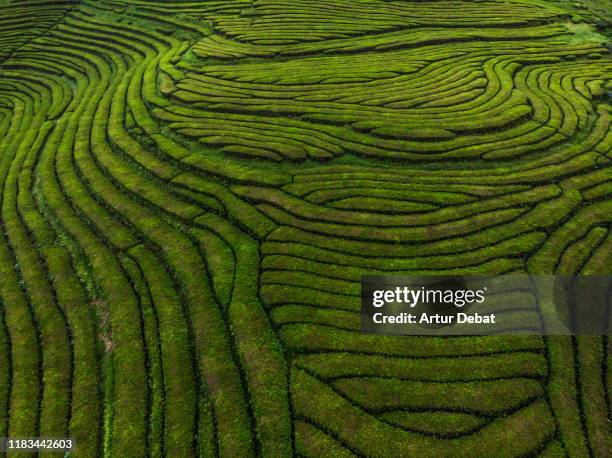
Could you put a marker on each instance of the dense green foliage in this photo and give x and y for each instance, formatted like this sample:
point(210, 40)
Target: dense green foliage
point(191, 191)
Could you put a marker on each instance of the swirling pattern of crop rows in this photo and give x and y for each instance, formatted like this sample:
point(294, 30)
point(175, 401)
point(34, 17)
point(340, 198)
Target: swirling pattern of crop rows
point(192, 190)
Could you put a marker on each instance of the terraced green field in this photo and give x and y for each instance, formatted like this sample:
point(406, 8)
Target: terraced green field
point(191, 191)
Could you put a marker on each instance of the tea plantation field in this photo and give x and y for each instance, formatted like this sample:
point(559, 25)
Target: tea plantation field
point(191, 190)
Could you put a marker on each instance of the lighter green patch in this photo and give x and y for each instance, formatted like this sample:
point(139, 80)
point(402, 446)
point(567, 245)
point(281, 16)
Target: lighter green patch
point(584, 33)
